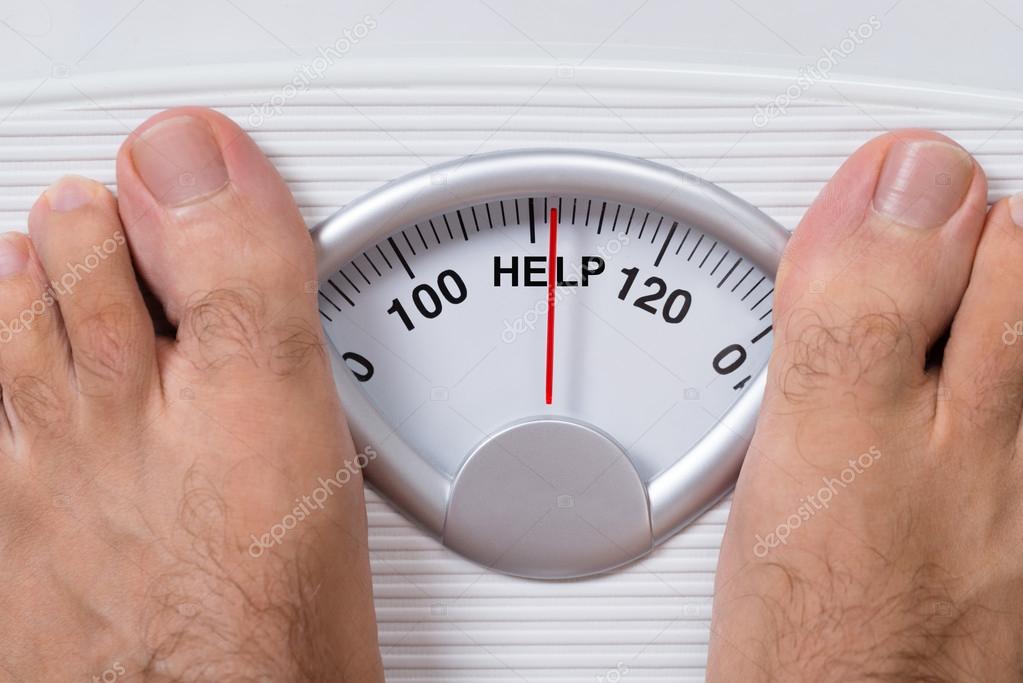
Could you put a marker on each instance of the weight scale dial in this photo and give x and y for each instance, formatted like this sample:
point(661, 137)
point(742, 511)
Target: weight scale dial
point(556, 356)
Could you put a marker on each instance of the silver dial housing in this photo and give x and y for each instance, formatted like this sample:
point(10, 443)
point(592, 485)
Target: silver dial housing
point(432, 291)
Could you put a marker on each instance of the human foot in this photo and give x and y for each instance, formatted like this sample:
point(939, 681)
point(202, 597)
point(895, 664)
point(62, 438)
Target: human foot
point(175, 509)
point(875, 528)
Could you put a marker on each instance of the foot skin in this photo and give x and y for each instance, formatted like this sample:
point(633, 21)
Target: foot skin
point(173, 508)
point(875, 529)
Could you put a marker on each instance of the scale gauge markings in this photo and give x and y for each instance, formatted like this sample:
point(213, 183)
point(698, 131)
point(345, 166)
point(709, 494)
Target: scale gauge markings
point(343, 295)
point(559, 306)
point(664, 247)
point(401, 258)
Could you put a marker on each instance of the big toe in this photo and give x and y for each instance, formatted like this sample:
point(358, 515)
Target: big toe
point(217, 237)
point(875, 271)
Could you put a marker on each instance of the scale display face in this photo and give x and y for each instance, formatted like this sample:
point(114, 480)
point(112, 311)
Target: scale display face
point(556, 357)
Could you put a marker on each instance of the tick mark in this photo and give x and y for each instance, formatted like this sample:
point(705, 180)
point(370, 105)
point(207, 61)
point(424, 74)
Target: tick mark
point(730, 271)
point(338, 290)
point(741, 384)
point(683, 242)
point(720, 261)
point(401, 258)
point(359, 271)
point(664, 247)
point(753, 288)
point(707, 255)
point(532, 222)
point(643, 227)
point(762, 299)
point(384, 257)
point(461, 224)
point(742, 279)
point(349, 280)
point(330, 301)
point(658, 230)
point(761, 335)
point(693, 252)
point(421, 238)
point(373, 265)
point(410, 247)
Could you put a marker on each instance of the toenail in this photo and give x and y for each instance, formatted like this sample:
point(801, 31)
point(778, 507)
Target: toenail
point(1016, 208)
point(923, 182)
point(179, 161)
point(13, 254)
point(69, 193)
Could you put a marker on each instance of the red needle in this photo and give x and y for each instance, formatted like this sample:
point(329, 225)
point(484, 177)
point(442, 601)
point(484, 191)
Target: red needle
point(552, 277)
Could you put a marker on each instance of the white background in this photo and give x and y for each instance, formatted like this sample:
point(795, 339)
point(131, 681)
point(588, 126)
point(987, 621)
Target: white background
point(976, 43)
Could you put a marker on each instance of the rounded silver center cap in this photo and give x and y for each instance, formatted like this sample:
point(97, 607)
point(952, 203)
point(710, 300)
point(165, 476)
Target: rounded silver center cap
point(548, 498)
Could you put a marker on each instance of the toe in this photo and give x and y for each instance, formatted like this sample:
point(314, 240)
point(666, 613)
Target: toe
point(35, 372)
point(215, 233)
point(982, 369)
point(876, 269)
point(80, 243)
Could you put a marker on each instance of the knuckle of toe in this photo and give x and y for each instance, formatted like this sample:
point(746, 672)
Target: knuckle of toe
point(34, 402)
point(223, 325)
point(232, 325)
point(820, 354)
point(103, 343)
point(997, 393)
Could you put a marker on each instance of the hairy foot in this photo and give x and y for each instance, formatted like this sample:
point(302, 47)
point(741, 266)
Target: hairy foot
point(876, 527)
point(184, 504)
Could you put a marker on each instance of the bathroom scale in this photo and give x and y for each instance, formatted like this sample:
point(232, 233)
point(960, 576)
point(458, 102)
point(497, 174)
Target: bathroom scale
point(556, 357)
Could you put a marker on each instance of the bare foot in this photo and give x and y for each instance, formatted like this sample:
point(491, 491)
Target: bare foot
point(173, 508)
point(875, 531)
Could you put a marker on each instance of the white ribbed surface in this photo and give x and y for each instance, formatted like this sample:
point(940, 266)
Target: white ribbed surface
point(442, 618)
